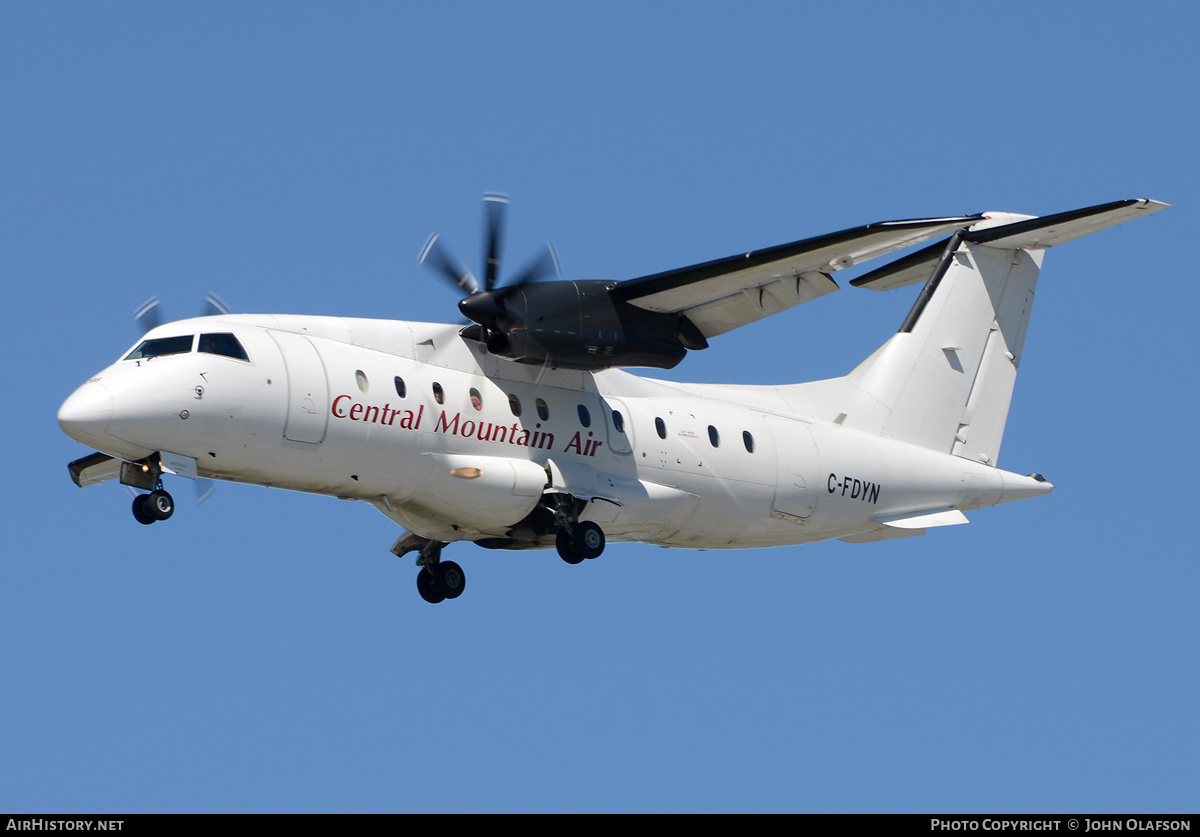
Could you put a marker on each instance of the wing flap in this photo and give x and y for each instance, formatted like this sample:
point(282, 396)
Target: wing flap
point(723, 294)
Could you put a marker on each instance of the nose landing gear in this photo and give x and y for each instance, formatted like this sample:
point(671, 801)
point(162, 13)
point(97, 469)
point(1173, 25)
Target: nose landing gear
point(157, 505)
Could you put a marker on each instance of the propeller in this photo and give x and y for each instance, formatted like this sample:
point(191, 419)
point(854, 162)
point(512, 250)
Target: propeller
point(149, 315)
point(485, 304)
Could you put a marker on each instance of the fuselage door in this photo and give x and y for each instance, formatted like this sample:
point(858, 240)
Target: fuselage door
point(618, 425)
point(797, 469)
point(308, 390)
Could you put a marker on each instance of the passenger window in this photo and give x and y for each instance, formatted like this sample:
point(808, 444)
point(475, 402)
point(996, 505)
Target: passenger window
point(618, 421)
point(585, 418)
point(514, 404)
point(360, 377)
point(542, 410)
point(162, 346)
point(222, 344)
point(714, 436)
point(401, 389)
point(748, 441)
point(476, 399)
point(439, 395)
point(661, 427)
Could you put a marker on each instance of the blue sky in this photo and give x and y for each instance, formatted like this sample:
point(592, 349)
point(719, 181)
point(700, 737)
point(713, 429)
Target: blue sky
point(265, 651)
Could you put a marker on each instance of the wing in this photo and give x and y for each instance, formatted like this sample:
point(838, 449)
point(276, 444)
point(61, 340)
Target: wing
point(721, 295)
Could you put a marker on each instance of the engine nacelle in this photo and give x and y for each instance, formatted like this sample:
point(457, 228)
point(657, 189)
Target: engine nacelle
point(579, 324)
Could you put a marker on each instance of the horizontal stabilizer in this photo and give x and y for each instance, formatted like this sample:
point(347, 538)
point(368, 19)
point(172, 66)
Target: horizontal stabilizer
point(923, 520)
point(1049, 230)
point(98, 467)
point(915, 267)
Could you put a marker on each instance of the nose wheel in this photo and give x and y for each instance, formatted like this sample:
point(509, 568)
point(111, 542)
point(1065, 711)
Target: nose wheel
point(157, 505)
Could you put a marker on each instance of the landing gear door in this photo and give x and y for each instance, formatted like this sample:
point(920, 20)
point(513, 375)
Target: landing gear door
point(616, 422)
point(308, 390)
point(797, 469)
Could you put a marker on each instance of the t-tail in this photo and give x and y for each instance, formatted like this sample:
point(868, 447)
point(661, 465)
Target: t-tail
point(946, 379)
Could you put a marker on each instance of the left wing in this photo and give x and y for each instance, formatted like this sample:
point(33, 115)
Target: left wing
point(720, 295)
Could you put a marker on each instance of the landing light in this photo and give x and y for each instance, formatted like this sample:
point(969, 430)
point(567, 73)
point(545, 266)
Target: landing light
point(467, 473)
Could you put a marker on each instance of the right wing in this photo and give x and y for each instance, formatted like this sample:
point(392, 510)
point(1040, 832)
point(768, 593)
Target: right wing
point(722, 294)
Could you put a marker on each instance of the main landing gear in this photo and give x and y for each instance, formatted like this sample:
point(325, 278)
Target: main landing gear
point(576, 540)
point(583, 540)
point(157, 505)
point(437, 580)
point(558, 514)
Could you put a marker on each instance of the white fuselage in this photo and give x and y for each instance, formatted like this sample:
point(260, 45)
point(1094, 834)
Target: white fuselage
point(423, 424)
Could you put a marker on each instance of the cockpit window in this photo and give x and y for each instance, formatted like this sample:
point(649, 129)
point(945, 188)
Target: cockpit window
point(222, 344)
point(162, 346)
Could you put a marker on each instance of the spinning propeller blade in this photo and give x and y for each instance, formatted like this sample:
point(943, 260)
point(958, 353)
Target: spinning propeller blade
point(148, 315)
point(439, 257)
point(494, 207)
point(486, 306)
point(540, 267)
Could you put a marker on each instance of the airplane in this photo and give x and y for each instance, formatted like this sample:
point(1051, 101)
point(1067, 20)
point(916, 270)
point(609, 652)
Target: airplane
point(523, 429)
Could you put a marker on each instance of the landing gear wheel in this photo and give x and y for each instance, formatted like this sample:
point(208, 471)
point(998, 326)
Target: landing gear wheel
point(140, 513)
point(428, 588)
point(451, 580)
point(159, 504)
point(587, 539)
point(565, 550)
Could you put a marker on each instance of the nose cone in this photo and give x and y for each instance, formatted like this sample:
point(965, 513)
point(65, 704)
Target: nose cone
point(85, 416)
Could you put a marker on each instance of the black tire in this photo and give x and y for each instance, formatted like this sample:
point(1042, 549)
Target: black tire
point(140, 513)
point(159, 504)
point(565, 550)
point(587, 539)
point(451, 580)
point(427, 587)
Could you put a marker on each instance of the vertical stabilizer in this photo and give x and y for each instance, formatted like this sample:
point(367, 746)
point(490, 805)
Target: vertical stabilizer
point(946, 379)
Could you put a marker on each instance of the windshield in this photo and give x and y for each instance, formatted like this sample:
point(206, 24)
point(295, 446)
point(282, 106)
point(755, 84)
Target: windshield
point(162, 346)
point(222, 344)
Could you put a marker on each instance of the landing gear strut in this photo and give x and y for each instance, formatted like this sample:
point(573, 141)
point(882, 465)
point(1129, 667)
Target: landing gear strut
point(576, 540)
point(437, 580)
point(157, 505)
